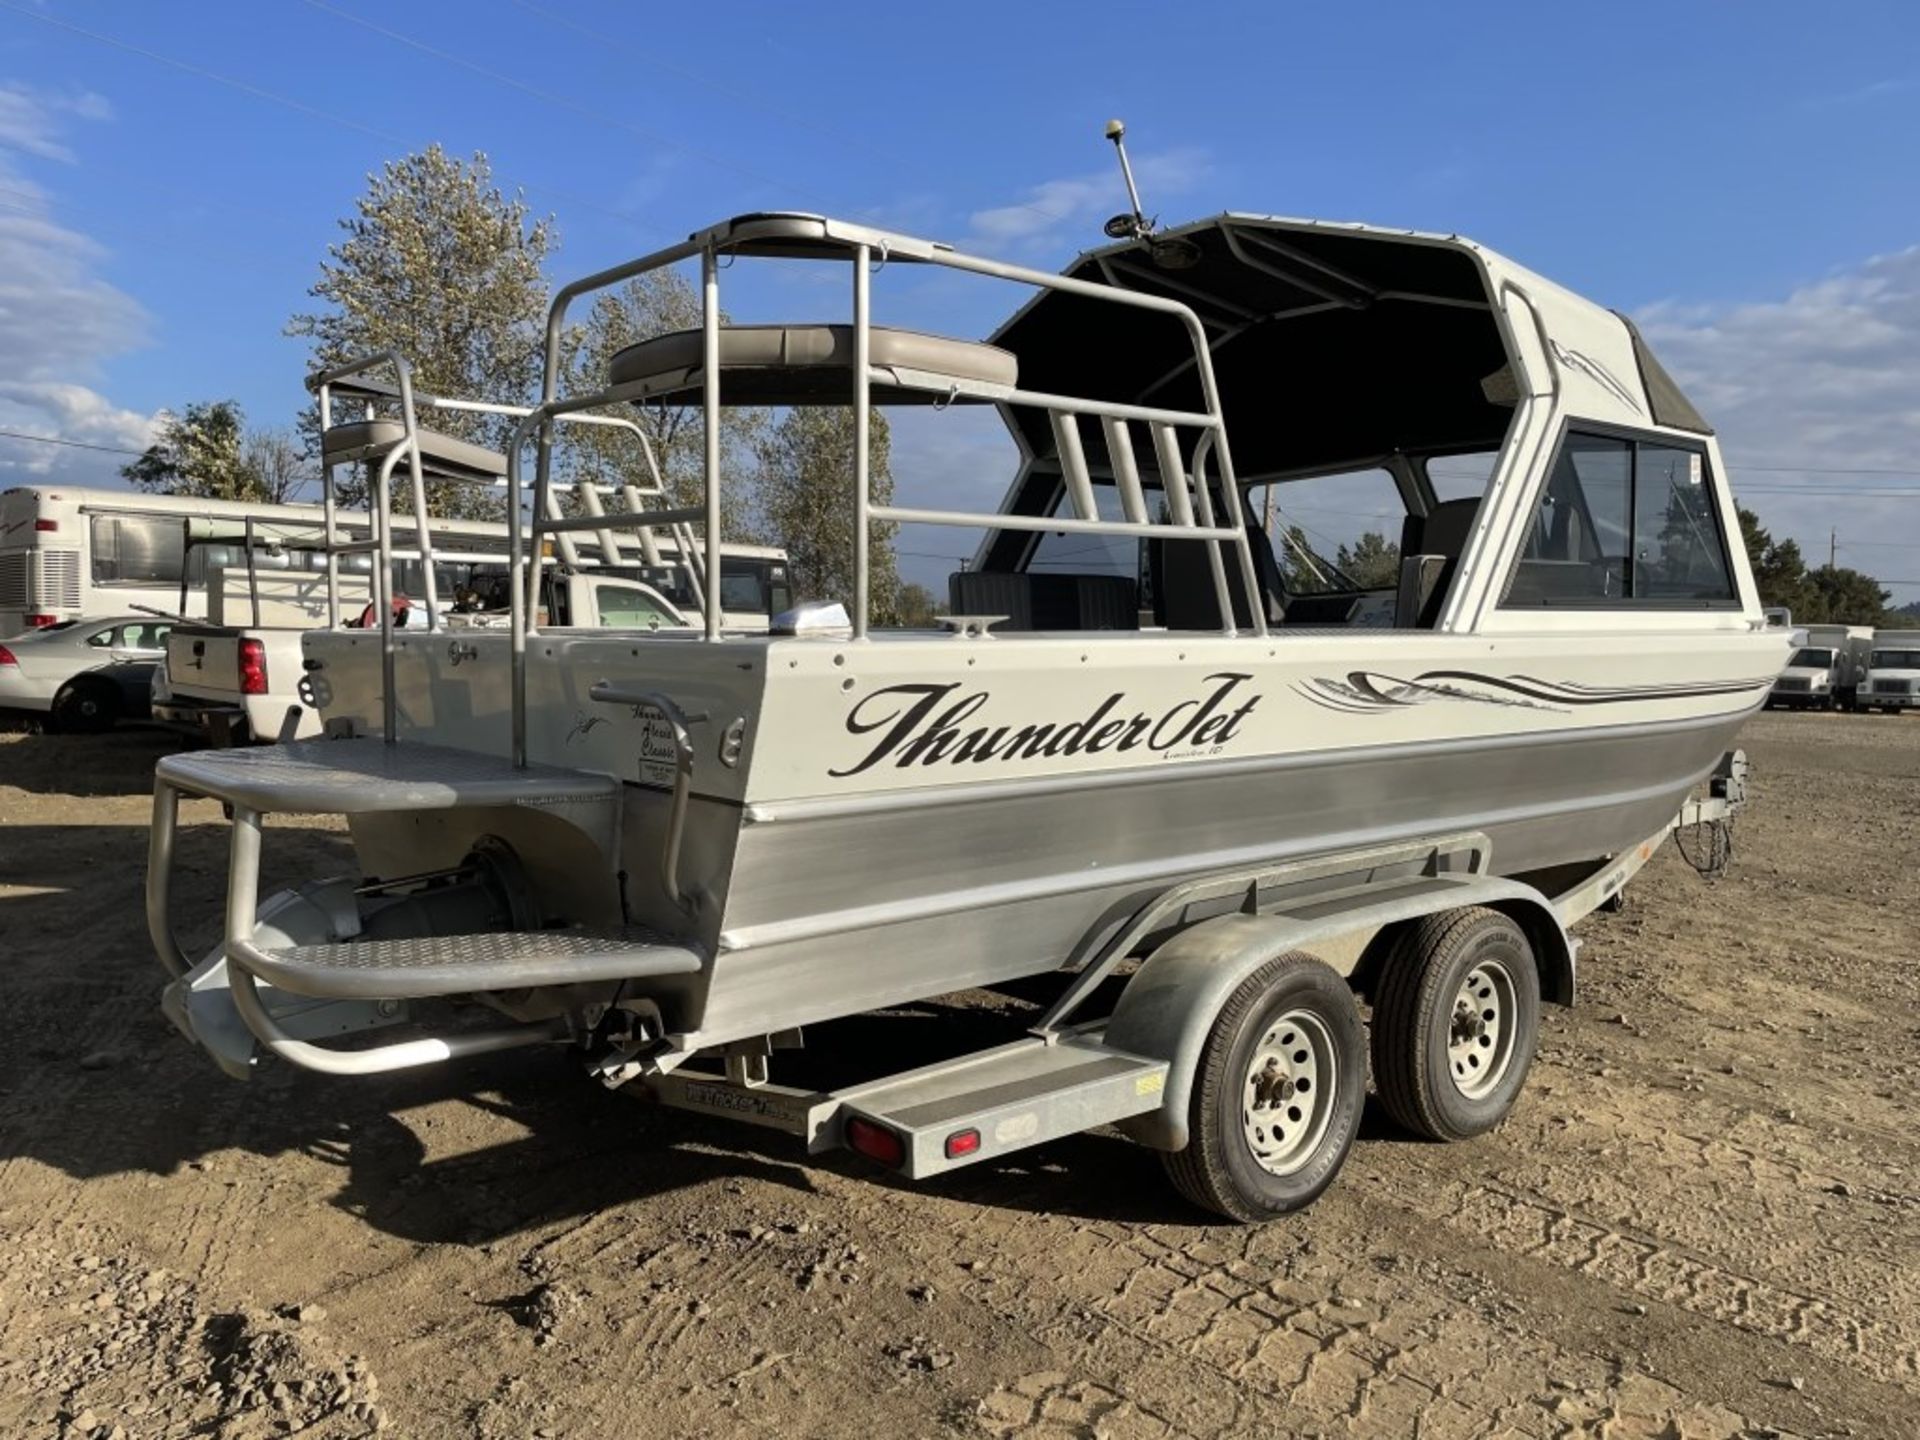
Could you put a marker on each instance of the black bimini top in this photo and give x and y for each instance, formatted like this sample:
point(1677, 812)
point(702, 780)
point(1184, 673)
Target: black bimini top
point(1330, 344)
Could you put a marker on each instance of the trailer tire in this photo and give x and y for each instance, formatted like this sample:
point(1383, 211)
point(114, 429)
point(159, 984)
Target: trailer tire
point(1252, 1154)
point(1456, 987)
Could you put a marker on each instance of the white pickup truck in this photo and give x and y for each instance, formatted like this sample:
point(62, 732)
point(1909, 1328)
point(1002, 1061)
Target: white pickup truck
point(231, 683)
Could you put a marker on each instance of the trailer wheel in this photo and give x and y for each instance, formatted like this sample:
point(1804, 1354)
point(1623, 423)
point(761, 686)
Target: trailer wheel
point(1278, 1093)
point(1456, 1016)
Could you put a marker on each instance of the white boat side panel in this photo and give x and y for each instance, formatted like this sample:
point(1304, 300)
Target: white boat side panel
point(898, 714)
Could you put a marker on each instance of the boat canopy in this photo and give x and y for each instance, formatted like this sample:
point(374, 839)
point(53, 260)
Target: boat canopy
point(1332, 345)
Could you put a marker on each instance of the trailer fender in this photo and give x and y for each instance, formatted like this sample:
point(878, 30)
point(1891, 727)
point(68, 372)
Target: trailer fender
point(1168, 1008)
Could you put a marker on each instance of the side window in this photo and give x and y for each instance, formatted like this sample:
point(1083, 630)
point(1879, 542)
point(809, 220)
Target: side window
point(1677, 550)
point(103, 639)
point(137, 550)
point(741, 590)
point(621, 607)
point(1622, 522)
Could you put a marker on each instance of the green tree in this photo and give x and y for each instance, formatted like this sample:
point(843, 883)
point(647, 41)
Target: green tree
point(656, 303)
point(438, 264)
point(1303, 570)
point(1372, 562)
point(919, 609)
point(806, 504)
point(1846, 597)
point(1779, 570)
point(206, 451)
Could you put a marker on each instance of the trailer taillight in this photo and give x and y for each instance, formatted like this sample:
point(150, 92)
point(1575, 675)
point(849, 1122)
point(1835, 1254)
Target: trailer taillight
point(253, 667)
point(963, 1142)
point(876, 1142)
point(40, 622)
point(45, 525)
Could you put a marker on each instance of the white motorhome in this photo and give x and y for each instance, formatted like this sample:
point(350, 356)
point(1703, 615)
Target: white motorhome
point(1826, 668)
point(678, 852)
point(67, 551)
point(1893, 672)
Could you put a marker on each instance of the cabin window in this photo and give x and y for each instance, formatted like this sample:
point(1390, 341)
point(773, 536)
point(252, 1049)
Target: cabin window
point(1060, 552)
point(1333, 533)
point(137, 550)
point(1461, 477)
point(1623, 521)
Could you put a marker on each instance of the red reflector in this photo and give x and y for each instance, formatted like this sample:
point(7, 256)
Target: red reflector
point(6, 656)
point(46, 524)
point(962, 1142)
point(253, 667)
point(40, 622)
point(876, 1142)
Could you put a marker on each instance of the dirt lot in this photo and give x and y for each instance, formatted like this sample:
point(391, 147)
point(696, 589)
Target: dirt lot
point(1702, 1220)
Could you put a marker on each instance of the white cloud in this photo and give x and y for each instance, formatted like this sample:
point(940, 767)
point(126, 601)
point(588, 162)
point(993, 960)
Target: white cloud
point(1827, 377)
point(58, 319)
point(1080, 202)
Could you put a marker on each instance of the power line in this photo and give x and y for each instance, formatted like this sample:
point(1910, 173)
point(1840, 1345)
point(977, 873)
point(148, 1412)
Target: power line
point(71, 444)
point(1820, 470)
point(242, 86)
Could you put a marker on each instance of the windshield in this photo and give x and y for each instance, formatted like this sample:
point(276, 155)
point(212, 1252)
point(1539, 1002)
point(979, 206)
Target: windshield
point(1896, 660)
point(747, 585)
point(1811, 659)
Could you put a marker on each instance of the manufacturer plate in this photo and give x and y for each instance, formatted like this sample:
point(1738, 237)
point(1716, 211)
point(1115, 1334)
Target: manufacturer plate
point(659, 752)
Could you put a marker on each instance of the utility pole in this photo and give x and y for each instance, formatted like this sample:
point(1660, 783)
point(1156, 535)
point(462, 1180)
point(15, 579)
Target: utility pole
point(1833, 548)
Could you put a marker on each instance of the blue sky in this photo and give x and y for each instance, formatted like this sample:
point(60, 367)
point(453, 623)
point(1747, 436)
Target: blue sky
point(1742, 176)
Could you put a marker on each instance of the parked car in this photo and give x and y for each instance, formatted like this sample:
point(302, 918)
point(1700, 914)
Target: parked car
point(84, 674)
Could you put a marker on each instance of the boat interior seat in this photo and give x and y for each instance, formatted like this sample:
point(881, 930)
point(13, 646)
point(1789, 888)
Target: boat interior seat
point(441, 456)
point(1430, 550)
point(1184, 597)
point(1046, 601)
point(812, 364)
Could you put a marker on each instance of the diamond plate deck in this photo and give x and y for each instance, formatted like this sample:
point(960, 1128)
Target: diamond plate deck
point(417, 966)
point(362, 776)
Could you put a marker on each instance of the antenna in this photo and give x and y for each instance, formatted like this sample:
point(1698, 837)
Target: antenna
point(1167, 254)
point(1134, 226)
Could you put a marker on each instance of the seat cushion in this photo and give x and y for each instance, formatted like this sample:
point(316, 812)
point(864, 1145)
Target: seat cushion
point(797, 364)
point(440, 454)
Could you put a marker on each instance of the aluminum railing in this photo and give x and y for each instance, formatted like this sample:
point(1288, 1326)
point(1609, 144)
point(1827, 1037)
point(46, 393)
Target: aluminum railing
point(1189, 500)
point(424, 551)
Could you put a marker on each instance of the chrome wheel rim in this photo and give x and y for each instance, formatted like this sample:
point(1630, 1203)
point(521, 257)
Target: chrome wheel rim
point(1480, 1030)
point(1287, 1094)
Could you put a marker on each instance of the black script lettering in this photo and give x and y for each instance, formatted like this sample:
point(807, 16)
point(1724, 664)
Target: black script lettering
point(913, 728)
point(907, 717)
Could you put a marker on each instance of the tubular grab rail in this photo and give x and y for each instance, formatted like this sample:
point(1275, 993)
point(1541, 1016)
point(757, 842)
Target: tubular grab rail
point(1191, 517)
point(407, 448)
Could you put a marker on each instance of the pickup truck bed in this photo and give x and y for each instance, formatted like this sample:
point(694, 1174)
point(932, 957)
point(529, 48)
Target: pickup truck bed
point(231, 685)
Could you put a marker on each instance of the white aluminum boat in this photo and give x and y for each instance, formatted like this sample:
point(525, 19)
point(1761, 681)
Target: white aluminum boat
point(675, 851)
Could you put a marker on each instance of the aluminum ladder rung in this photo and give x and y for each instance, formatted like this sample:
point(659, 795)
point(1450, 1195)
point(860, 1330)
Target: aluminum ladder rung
point(412, 967)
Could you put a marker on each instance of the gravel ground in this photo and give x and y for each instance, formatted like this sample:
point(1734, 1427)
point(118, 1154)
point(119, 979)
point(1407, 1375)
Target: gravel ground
point(1702, 1220)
